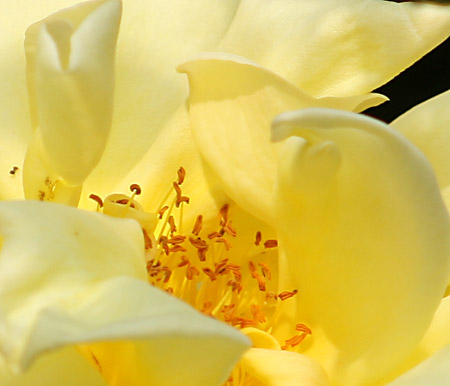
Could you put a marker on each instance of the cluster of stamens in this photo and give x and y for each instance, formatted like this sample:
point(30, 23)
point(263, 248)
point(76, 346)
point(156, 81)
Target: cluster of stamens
point(200, 267)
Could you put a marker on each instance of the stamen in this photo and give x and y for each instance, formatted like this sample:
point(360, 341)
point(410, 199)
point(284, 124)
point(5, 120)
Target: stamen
point(136, 189)
point(270, 243)
point(13, 170)
point(258, 238)
point(287, 294)
point(161, 211)
point(97, 199)
point(172, 225)
point(265, 270)
point(181, 175)
point(180, 197)
point(198, 225)
point(147, 240)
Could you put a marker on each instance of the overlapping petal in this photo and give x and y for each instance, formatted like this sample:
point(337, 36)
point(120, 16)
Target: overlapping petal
point(336, 48)
point(66, 366)
point(428, 127)
point(83, 279)
point(365, 237)
point(70, 74)
point(231, 105)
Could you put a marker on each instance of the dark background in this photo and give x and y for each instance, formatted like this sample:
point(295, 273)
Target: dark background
point(426, 78)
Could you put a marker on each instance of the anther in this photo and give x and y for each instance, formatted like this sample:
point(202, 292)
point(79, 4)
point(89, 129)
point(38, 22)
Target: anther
point(265, 270)
point(227, 228)
point(181, 174)
point(287, 294)
point(303, 328)
point(13, 170)
point(172, 225)
point(224, 241)
point(97, 199)
point(191, 271)
point(136, 189)
point(147, 240)
point(161, 211)
point(198, 225)
point(270, 243)
point(209, 273)
point(258, 238)
point(224, 215)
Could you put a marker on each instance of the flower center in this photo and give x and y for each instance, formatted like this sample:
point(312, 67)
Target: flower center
point(209, 266)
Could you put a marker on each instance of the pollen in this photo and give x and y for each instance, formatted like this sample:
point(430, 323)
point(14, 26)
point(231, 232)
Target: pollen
point(207, 262)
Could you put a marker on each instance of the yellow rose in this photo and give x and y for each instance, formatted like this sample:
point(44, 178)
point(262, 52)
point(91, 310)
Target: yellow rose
point(324, 239)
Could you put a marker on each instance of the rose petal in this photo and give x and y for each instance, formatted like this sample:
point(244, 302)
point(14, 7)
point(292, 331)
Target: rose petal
point(232, 103)
point(427, 126)
point(71, 277)
point(364, 237)
point(71, 83)
point(336, 48)
point(65, 367)
point(282, 368)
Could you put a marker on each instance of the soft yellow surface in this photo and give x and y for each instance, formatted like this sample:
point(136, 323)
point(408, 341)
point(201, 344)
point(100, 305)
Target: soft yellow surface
point(283, 368)
point(432, 372)
point(70, 69)
point(98, 293)
point(428, 127)
point(364, 235)
point(231, 105)
point(64, 366)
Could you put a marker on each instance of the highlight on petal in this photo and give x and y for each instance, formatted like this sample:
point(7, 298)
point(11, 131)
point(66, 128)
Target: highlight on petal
point(336, 49)
point(432, 372)
point(51, 252)
point(231, 105)
point(282, 368)
point(155, 37)
point(356, 201)
point(428, 127)
point(65, 366)
point(80, 279)
point(70, 74)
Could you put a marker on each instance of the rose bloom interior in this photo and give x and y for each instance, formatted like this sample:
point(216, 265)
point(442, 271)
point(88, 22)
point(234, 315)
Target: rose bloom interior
point(190, 197)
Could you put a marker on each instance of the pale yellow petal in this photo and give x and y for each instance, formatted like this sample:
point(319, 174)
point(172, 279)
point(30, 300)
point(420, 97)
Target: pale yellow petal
point(232, 103)
point(51, 252)
point(336, 48)
point(432, 372)
point(155, 37)
point(65, 367)
point(365, 237)
point(15, 124)
point(80, 277)
point(163, 341)
point(71, 84)
point(282, 368)
point(428, 127)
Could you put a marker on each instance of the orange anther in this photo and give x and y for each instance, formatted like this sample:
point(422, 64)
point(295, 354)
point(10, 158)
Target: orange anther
point(161, 211)
point(176, 240)
point(147, 240)
point(223, 215)
point(184, 261)
point(265, 270)
point(258, 315)
point(181, 174)
point(198, 243)
point(173, 227)
point(224, 241)
point(177, 248)
point(260, 280)
point(270, 243)
point(209, 272)
point(191, 271)
point(198, 225)
point(201, 253)
point(207, 308)
point(213, 235)
point(136, 189)
point(252, 266)
point(287, 294)
point(303, 328)
point(227, 228)
point(258, 238)
point(97, 199)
